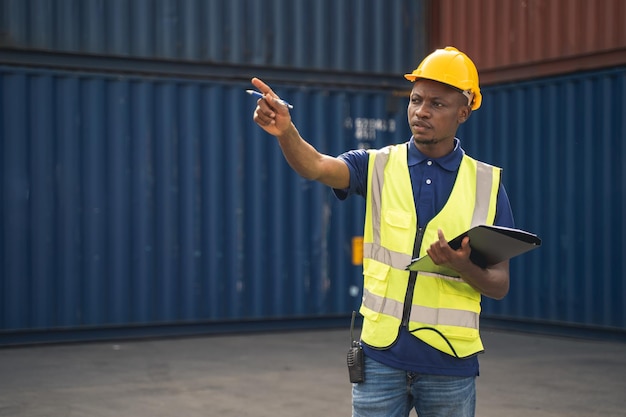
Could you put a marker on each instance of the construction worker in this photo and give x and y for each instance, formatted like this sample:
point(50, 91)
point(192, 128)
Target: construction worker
point(420, 335)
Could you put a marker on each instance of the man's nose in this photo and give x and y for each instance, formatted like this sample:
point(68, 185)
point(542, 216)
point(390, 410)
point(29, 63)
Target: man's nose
point(421, 110)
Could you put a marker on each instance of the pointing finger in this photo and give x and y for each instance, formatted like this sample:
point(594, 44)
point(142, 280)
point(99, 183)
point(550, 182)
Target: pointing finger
point(262, 87)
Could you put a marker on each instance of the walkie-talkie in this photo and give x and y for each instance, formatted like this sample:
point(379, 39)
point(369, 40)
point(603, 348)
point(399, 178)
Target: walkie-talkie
point(356, 366)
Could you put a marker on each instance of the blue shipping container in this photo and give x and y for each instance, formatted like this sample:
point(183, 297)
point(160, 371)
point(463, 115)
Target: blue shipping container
point(130, 201)
point(561, 143)
point(339, 35)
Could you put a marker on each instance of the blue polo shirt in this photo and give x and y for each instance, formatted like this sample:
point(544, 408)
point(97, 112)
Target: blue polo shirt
point(432, 181)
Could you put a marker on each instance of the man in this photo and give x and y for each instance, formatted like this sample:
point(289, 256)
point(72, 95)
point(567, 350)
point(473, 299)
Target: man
point(420, 330)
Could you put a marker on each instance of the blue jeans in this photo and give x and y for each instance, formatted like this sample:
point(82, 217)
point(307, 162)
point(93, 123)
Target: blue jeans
point(390, 392)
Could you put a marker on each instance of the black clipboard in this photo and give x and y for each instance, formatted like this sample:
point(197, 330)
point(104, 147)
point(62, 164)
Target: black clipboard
point(490, 245)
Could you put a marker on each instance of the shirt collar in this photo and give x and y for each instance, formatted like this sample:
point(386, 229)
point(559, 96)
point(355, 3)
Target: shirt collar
point(450, 162)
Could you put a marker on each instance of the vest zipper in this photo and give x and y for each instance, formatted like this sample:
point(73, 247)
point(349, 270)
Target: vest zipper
point(408, 297)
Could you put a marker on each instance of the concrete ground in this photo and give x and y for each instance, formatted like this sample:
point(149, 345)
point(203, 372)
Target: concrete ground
point(295, 374)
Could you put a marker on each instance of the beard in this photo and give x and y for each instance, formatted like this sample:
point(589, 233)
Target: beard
point(427, 142)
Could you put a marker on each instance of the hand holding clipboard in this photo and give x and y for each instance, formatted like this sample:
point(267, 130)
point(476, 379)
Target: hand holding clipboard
point(490, 245)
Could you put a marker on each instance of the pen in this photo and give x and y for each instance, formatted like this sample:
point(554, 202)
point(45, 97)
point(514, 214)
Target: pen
point(260, 95)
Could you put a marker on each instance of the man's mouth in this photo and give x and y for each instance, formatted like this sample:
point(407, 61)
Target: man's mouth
point(420, 125)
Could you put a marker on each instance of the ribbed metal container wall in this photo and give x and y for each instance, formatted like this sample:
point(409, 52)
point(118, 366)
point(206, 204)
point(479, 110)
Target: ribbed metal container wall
point(343, 35)
point(532, 38)
point(561, 143)
point(136, 201)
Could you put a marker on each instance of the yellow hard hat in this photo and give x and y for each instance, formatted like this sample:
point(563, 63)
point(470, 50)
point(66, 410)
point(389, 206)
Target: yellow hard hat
point(452, 67)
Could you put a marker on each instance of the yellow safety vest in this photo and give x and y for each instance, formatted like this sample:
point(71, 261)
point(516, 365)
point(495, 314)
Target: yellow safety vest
point(444, 311)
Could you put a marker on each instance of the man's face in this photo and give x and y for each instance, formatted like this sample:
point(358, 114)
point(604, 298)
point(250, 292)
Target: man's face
point(435, 112)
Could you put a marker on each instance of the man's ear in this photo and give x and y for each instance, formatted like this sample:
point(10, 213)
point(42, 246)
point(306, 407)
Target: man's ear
point(464, 114)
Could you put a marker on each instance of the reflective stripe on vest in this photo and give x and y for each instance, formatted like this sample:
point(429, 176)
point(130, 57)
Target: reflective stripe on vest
point(427, 315)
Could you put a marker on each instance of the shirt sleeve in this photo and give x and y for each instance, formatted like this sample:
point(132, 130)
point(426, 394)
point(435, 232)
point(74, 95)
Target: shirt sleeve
point(504, 214)
point(357, 162)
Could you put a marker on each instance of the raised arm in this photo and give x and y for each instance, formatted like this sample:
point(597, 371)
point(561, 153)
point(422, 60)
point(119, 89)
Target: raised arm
point(274, 118)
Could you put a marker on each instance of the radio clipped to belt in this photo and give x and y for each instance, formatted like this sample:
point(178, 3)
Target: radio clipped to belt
point(356, 365)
